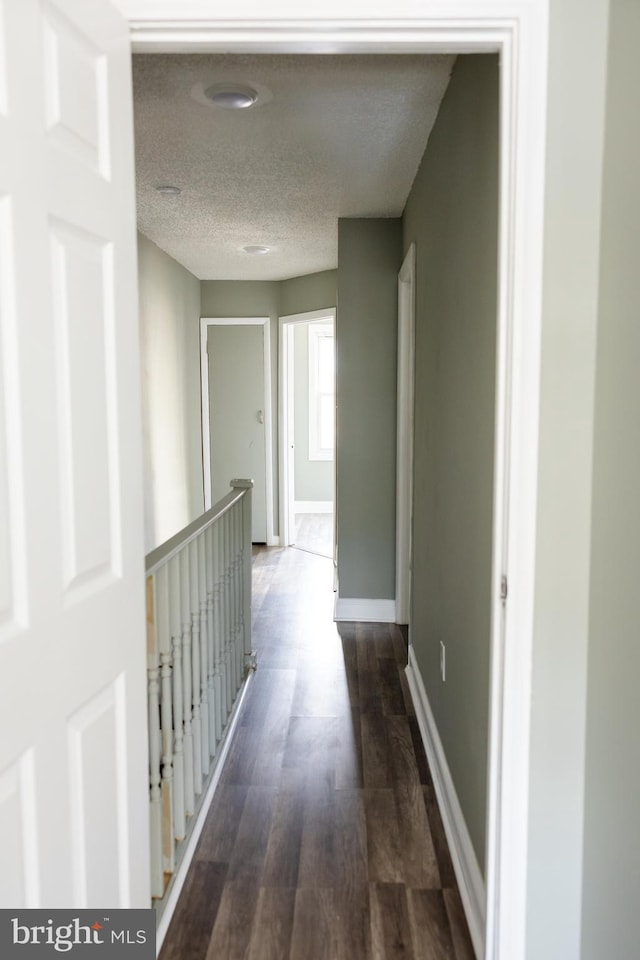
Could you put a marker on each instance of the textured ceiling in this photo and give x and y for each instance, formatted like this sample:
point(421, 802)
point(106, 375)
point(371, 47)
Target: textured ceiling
point(330, 136)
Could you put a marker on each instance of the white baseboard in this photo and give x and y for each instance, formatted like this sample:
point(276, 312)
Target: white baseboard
point(179, 877)
point(273, 541)
point(465, 863)
point(313, 506)
point(365, 610)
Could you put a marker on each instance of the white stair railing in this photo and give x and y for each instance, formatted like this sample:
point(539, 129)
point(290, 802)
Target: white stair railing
point(198, 656)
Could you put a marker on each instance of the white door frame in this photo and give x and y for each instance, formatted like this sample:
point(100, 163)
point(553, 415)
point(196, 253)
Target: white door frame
point(265, 323)
point(518, 31)
point(286, 415)
point(404, 433)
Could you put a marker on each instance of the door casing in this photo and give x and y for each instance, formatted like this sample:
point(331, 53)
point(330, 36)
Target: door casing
point(286, 414)
point(404, 455)
point(518, 31)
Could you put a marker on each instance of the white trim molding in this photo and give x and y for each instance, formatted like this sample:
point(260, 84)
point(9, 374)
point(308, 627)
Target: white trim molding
point(404, 431)
point(313, 506)
point(265, 323)
point(365, 610)
point(518, 31)
point(285, 415)
point(465, 862)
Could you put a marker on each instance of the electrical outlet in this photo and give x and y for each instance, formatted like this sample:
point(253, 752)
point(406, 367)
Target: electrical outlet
point(443, 661)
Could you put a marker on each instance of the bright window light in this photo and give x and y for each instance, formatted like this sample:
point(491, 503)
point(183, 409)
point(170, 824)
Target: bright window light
point(321, 391)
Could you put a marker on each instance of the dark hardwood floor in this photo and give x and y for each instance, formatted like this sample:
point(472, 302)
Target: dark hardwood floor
point(324, 840)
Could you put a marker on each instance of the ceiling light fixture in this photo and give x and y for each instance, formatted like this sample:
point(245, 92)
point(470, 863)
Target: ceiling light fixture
point(231, 97)
point(167, 190)
point(224, 93)
point(256, 249)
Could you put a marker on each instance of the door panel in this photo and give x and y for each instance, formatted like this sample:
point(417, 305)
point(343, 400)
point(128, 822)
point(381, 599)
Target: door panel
point(236, 401)
point(73, 757)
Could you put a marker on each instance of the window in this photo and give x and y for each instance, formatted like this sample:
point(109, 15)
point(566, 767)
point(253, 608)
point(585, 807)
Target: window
point(321, 391)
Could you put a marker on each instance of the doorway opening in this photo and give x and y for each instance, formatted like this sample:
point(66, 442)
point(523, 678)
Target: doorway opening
point(307, 431)
point(521, 42)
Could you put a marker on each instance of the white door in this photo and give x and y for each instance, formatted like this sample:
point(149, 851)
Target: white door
point(237, 414)
point(73, 758)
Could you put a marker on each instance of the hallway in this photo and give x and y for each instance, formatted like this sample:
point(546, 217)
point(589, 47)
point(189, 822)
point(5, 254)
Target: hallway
point(323, 841)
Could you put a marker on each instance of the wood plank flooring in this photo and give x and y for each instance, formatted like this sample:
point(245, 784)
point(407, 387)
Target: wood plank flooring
point(324, 840)
point(314, 533)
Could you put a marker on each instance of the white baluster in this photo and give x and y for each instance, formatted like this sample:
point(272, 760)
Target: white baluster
point(218, 560)
point(155, 793)
point(227, 614)
point(153, 705)
point(235, 575)
point(163, 627)
point(232, 612)
point(240, 591)
point(187, 678)
point(234, 600)
point(194, 600)
point(204, 655)
point(178, 718)
point(214, 697)
point(249, 654)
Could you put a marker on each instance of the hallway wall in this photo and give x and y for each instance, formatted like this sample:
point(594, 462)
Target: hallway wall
point(369, 258)
point(451, 215)
point(313, 292)
point(611, 878)
point(169, 306)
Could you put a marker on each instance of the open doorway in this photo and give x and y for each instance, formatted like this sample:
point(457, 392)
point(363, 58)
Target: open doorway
point(522, 100)
point(307, 431)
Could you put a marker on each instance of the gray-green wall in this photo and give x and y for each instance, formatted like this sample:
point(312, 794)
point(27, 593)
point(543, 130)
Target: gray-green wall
point(369, 258)
point(611, 879)
point(304, 294)
point(169, 304)
point(451, 215)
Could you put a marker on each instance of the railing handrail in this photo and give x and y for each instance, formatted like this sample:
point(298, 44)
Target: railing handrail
point(176, 543)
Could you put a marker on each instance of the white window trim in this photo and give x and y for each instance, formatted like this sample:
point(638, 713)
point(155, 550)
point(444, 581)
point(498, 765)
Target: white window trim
point(316, 331)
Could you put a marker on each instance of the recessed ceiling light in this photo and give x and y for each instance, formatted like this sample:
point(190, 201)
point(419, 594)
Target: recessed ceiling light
point(168, 191)
point(227, 94)
point(231, 97)
point(256, 249)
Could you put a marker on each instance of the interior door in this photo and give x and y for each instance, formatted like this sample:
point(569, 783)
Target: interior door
point(73, 757)
point(237, 414)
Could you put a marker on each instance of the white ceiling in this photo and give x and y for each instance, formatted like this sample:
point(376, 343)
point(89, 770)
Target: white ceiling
point(330, 136)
